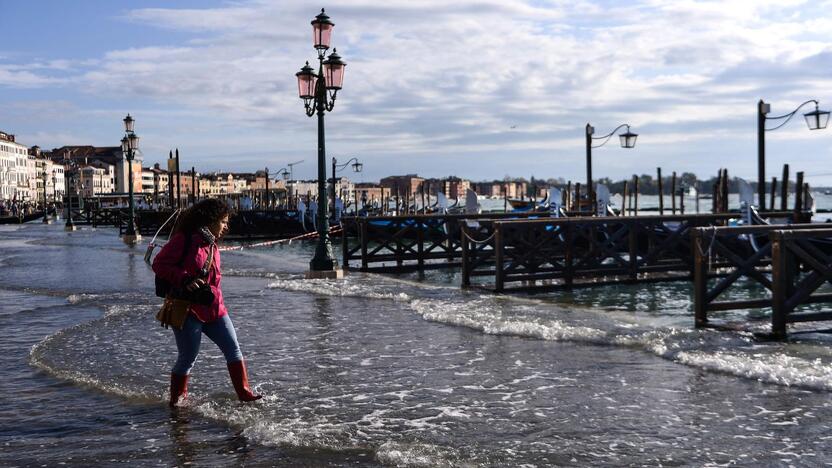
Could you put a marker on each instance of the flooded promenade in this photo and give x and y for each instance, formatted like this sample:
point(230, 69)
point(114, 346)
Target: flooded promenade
point(384, 371)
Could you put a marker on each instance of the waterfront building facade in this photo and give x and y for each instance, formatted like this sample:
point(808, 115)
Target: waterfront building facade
point(403, 184)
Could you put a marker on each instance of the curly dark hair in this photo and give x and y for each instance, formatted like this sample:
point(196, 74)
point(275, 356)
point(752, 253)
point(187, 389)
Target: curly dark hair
point(204, 213)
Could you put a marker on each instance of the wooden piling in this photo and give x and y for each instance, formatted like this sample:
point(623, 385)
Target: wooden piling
point(635, 195)
point(779, 279)
point(700, 278)
point(681, 200)
point(773, 192)
point(568, 204)
point(498, 257)
point(466, 267)
point(624, 200)
point(577, 201)
point(661, 190)
point(798, 193)
point(725, 190)
point(784, 189)
point(673, 192)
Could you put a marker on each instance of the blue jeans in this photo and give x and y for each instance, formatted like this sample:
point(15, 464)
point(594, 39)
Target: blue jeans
point(220, 331)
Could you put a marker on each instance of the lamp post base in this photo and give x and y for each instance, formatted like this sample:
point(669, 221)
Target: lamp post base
point(131, 239)
point(70, 228)
point(325, 274)
point(47, 221)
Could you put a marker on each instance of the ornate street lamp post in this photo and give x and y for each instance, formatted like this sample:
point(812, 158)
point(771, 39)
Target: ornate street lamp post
point(55, 192)
point(129, 146)
point(816, 120)
point(70, 225)
point(318, 92)
point(356, 167)
point(628, 140)
point(45, 177)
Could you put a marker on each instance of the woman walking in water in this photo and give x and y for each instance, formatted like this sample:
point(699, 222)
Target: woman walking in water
point(191, 261)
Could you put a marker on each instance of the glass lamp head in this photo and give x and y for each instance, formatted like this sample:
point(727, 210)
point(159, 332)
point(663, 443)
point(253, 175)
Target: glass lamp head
point(334, 71)
point(306, 82)
point(128, 123)
point(817, 119)
point(322, 31)
point(628, 138)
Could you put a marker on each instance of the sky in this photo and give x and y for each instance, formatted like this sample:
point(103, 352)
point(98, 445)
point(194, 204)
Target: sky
point(479, 89)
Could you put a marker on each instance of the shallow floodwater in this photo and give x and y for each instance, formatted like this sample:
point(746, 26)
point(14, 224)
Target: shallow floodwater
point(381, 370)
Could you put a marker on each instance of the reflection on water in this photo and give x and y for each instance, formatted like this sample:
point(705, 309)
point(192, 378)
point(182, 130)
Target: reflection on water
point(391, 370)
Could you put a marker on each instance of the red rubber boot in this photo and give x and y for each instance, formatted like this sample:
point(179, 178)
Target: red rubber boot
point(239, 377)
point(178, 389)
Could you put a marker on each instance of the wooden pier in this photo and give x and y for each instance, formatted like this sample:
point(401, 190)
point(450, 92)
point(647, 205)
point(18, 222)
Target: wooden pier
point(790, 265)
point(396, 244)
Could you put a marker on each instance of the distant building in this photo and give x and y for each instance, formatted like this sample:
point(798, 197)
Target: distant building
point(369, 192)
point(21, 172)
point(72, 156)
point(455, 187)
point(93, 179)
point(498, 188)
point(406, 185)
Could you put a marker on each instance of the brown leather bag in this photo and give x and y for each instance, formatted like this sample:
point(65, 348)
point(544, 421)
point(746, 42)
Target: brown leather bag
point(173, 313)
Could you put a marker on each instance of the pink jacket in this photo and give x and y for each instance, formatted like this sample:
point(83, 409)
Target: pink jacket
point(166, 266)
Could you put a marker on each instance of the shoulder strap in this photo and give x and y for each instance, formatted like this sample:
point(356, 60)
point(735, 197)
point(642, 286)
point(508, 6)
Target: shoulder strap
point(185, 248)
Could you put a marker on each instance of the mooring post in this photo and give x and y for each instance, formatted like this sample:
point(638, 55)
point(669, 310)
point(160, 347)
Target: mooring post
point(700, 278)
point(577, 203)
point(806, 197)
point(345, 263)
point(624, 200)
point(466, 263)
point(673, 192)
point(681, 200)
point(364, 235)
point(798, 196)
point(420, 244)
point(725, 191)
point(632, 226)
point(773, 192)
point(784, 189)
point(635, 195)
point(568, 260)
point(715, 193)
point(661, 190)
point(568, 204)
point(779, 280)
point(498, 257)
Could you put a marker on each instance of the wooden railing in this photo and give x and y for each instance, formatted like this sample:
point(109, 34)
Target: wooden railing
point(789, 263)
point(535, 255)
point(407, 243)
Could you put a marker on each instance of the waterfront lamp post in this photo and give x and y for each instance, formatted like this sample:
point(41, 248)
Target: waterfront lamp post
point(816, 120)
point(70, 225)
point(318, 92)
point(285, 173)
point(129, 146)
point(356, 167)
point(45, 178)
point(628, 140)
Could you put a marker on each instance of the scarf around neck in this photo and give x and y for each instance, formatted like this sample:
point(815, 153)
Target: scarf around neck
point(207, 235)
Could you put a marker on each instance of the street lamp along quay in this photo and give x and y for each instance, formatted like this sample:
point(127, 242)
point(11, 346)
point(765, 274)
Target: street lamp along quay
point(45, 178)
point(816, 120)
point(129, 146)
point(318, 92)
point(356, 167)
point(628, 140)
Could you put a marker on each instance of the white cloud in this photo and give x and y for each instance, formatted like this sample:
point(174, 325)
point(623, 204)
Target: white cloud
point(451, 78)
